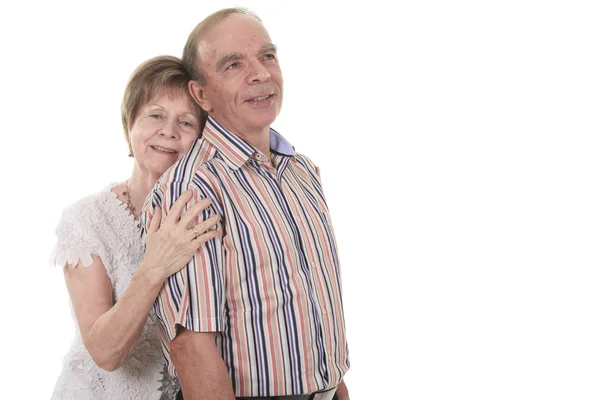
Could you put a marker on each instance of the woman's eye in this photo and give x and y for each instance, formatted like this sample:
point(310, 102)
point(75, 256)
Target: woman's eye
point(155, 116)
point(187, 124)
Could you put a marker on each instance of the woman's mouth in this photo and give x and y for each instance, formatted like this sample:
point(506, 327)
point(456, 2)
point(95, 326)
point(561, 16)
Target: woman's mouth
point(164, 150)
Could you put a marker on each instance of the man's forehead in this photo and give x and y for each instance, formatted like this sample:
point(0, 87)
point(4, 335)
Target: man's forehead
point(235, 34)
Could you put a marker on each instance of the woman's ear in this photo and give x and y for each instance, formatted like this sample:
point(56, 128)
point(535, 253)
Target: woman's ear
point(199, 95)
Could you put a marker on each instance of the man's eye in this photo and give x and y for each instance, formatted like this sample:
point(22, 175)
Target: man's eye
point(269, 56)
point(233, 66)
point(155, 116)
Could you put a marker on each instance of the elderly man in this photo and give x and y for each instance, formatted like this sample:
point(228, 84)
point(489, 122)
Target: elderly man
point(258, 313)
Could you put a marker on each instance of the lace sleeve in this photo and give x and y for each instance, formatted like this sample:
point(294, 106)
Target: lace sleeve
point(77, 236)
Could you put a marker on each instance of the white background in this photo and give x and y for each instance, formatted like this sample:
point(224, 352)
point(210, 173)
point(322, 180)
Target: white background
point(458, 144)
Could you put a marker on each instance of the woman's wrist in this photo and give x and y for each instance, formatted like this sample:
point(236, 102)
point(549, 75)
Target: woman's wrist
point(150, 274)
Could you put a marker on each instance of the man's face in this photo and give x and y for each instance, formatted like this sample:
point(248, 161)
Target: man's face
point(244, 86)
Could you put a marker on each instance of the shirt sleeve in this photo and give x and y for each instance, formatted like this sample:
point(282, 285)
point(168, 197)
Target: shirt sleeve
point(192, 297)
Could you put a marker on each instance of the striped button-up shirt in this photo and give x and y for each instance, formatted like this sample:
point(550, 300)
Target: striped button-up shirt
point(271, 284)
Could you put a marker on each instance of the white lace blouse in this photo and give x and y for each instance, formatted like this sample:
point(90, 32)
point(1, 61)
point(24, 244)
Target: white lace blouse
point(101, 224)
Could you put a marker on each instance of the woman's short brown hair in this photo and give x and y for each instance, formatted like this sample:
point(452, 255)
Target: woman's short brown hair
point(149, 79)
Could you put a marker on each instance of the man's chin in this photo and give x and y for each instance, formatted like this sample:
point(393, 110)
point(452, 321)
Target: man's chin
point(253, 121)
point(263, 119)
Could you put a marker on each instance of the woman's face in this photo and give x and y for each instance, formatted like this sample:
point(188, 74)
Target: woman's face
point(164, 130)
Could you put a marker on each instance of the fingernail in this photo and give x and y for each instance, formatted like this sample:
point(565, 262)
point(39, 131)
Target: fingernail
point(187, 192)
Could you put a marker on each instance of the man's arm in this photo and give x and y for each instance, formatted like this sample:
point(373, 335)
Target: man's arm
point(342, 391)
point(191, 317)
point(200, 368)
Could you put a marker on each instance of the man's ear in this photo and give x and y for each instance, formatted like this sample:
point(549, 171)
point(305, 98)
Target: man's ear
point(199, 95)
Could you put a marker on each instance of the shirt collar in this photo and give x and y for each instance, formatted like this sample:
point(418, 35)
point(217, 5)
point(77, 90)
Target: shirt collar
point(237, 151)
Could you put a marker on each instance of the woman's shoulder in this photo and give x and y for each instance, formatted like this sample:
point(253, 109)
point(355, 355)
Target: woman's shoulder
point(93, 199)
point(81, 227)
point(91, 208)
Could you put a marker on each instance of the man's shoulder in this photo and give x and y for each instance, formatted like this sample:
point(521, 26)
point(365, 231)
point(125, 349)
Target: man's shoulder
point(305, 161)
point(197, 165)
point(303, 157)
point(184, 170)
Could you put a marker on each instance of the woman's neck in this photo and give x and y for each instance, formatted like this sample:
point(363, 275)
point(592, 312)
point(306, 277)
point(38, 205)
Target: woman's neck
point(139, 185)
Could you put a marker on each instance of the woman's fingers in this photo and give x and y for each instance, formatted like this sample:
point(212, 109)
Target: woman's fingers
point(205, 237)
point(155, 220)
point(178, 207)
point(191, 213)
point(191, 247)
point(202, 227)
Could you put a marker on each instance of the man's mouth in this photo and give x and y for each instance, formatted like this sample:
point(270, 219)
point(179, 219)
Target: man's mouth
point(164, 149)
point(257, 99)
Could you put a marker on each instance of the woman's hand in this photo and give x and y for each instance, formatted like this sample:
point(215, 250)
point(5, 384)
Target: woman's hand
point(171, 246)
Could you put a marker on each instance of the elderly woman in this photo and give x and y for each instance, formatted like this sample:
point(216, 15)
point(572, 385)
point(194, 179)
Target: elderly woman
point(112, 280)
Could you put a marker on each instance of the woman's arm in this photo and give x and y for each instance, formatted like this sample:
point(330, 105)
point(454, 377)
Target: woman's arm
point(110, 330)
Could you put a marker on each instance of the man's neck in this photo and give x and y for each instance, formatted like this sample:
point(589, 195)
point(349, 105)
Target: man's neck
point(258, 138)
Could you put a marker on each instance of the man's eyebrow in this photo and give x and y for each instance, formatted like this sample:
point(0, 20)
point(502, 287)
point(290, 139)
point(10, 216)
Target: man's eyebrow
point(269, 47)
point(226, 59)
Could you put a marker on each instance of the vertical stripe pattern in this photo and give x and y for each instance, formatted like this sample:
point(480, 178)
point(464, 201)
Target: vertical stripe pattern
point(271, 285)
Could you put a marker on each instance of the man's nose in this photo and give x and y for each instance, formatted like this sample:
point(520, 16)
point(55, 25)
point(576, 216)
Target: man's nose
point(258, 72)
